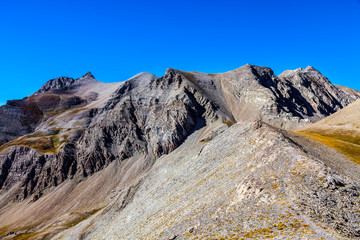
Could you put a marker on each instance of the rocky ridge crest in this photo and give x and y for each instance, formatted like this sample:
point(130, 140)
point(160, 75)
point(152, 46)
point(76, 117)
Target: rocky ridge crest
point(73, 129)
point(149, 115)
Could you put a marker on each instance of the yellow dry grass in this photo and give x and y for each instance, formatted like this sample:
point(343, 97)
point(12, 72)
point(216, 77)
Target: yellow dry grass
point(347, 144)
point(339, 131)
point(45, 144)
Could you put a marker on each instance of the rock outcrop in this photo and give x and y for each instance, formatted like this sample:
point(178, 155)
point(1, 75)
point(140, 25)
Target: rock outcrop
point(322, 97)
point(34, 171)
point(153, 116)
point(140, 118)
point(56, 83)
point(295, 98)
point(72, 130)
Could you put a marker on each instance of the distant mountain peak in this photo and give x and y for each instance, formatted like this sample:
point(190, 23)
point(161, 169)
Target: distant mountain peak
point(55, 83)
point(176, 136)
point(299, 71)
point(309, 68)
point(88, 75)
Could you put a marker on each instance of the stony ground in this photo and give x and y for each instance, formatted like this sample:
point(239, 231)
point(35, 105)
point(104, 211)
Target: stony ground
point(161, 158)
point(249, 182)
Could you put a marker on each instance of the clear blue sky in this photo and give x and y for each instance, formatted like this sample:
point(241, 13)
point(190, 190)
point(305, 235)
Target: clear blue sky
point(115, 40)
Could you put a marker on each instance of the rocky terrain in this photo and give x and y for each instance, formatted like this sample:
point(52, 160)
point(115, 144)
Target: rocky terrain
point(186, 155)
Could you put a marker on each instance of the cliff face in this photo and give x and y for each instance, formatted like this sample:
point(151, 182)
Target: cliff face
point(144, 115)
point(140, 118)
point(321, 95)
point(295, 98)
point(93, 123)
point(71, 130)
point(33, 172)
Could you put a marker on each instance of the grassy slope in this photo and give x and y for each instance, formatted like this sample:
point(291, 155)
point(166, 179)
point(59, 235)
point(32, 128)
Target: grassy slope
point(340, 131)
point(343, 142)
point(45, 144)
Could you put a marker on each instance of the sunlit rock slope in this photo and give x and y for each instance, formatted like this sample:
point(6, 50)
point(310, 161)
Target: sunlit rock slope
point(186, 155)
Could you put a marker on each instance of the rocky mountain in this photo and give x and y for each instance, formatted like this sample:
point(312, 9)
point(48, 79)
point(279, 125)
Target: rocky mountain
point(175, 157)
point(56, 83)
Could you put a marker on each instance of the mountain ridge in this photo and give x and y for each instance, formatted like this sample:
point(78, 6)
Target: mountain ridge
point(154, 115)
point(75, 130)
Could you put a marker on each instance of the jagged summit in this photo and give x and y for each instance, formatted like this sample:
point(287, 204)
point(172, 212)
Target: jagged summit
point(294, 99)
point(56, 83)
point(63, 82)
point(297, 71)
point(165, 157)
point(247, 67)
point(310, 68)
point(88, 75)
point(251, 92)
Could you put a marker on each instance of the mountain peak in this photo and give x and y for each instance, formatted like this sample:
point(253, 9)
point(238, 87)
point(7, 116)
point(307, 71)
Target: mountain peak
point(85, 79)
point(131, 142)
point(309, 68)
point(55, 83)
point(88, 75)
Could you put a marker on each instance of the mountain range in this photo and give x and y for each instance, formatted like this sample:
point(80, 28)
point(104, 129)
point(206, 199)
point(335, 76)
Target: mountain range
point(242, 154)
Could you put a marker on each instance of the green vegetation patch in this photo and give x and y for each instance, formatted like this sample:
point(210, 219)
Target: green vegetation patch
point(45, 144)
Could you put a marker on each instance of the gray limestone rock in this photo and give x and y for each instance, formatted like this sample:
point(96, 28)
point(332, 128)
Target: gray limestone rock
point(153, 116)
point(74, 129)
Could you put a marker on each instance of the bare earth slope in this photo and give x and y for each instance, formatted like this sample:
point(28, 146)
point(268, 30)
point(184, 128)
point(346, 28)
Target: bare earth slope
point(183, 155)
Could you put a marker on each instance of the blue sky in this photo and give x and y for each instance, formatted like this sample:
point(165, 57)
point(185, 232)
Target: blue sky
point(115, 40)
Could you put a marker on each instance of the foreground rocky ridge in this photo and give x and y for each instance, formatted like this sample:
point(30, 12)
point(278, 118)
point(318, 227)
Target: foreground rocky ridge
point(72, 129)
point(248, 182)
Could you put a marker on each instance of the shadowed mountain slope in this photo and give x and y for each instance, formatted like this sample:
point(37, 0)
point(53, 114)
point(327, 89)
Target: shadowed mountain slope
point(295, 98)
point(185, 138)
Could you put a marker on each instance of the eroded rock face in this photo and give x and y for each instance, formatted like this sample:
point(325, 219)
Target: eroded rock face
point(85, 124)
point(21, 117)
point(140, 118)
point(35, 171)
point(294, 99)
point(71, 129)
point(18, 118)
point(146, 115)
point(322, 97)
